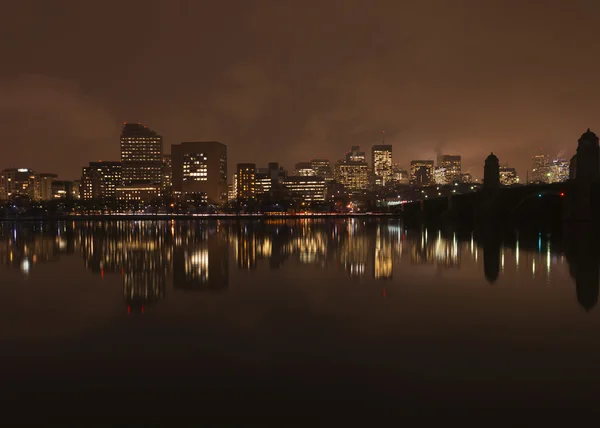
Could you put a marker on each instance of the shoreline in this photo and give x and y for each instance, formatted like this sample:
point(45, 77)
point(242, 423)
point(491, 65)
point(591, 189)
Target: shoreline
point(195, 217)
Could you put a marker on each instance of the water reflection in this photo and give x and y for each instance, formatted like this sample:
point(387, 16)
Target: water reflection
point(199, 255)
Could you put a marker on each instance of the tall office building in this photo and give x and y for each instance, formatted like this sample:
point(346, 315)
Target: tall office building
point(440, 176)
point(167, 172)
point(422, 172)
point(452, 165)
point(200, 167)
point(246, 181)
point(399, 175)
point(355, 155)
point(100, 180)
point(141, 155)
point(353, 172)
point(382, 164)
point(559, 170)
point(322, 168)
point(354, 175)
point(304, 169)
point(508, 176)
point(540, 168)
point(45, 184)
point(19, 182)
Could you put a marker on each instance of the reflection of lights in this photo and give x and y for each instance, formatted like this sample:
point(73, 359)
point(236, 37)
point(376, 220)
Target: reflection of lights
point(25, 266)
point(533, 267)
point(548, 258)
point(517, 254)
point(502, 259)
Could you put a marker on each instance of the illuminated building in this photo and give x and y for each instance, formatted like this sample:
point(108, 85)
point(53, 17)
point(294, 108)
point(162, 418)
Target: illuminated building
point(76, 190)
point(508, 176)
point(263, 183)
point(354, 175)
point(559, 171)
point(422, 172)
point(355, 155)
point(231, 193)
point(62, 189)
point(138, 192)
point(246, 181)
point(308, 188)
point(539, 168)
point(141, 155)
point(466, 177)
point(452, 165)
point(18, 182)
point(201, 167)
point(304, 169)
point(322, 168)
point(167, 172)
point(440, 176)
point(100, 180)
point(382, 164)
point(45, 183)
point(399, 175)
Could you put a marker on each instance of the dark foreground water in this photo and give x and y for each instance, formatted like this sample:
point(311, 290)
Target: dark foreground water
point(211, 313)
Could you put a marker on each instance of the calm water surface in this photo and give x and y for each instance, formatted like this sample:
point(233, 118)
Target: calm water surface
point(325, 310)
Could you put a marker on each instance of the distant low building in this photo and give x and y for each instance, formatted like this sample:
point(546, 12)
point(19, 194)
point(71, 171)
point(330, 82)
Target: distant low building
point(138, 193)
point(62, 189)
point(308, 188)
point(45, 184)
point(100, 180)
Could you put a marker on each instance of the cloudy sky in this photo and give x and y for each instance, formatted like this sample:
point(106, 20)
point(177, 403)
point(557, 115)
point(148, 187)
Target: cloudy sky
point(287, 80)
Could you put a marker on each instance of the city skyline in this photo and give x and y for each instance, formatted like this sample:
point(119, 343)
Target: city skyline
point(301, 93)
point(365, 155)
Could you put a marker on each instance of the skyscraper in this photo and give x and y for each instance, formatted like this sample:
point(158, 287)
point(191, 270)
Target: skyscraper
point(422, 172)
point(452, 165)
point(539, 168)
point(304, 169)
point(355, 155)
point(381, 156)
point(322, 168)
point(558, 170)
point(200, 167)
point(167, 173)
point(246, 184)
point(141, 155)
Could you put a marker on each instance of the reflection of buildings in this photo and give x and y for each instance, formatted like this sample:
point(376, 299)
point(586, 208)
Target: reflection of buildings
point(439, 250)
point(23, 247)
point(139, 251)
point(584, 265)
point(201, 260)
point(383, 264)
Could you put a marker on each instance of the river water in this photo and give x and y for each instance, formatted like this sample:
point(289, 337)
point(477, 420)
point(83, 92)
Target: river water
point(326, 310)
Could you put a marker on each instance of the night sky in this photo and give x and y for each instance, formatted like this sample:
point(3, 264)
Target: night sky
point(290, 80)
